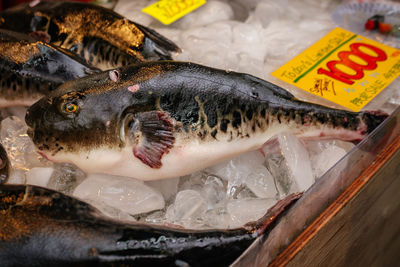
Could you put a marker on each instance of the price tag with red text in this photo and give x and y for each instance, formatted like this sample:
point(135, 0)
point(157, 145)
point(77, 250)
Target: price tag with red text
point(168, 11)
point(343, 67)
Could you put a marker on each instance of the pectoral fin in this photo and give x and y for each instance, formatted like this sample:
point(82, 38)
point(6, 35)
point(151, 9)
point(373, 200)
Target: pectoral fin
point(157, 137)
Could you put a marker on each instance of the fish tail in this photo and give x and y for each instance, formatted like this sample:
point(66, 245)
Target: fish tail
point(325, 123)
point(372, 119)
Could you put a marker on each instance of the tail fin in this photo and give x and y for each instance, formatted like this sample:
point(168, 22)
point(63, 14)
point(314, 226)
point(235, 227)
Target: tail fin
point(373, 118)
point(157, 45)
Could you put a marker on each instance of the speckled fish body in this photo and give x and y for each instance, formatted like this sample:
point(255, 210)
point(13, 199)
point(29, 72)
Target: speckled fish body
point(104, 38)
point(41, 227)
point(31, 69)
point(167, 119)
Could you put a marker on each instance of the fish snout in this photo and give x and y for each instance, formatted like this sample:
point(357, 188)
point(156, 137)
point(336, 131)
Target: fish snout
point(35, 113)
point(30, 133)
point(28, 120)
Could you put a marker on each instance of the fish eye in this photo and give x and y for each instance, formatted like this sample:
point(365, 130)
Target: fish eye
point(70, 107)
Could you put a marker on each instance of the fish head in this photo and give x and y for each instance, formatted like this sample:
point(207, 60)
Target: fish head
point(102, 118)
point(79, 115)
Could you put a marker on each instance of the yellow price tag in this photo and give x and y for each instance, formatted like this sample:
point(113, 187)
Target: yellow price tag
point(168, 11)
point(343, 67)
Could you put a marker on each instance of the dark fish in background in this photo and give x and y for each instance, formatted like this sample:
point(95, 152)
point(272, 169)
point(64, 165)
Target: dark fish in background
point(41, 227)
point(168, 119)
point(31, 69)
point(101, 36)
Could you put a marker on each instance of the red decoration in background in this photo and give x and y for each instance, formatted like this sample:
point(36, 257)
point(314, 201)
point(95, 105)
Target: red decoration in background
point(378, 22)
point(370, 25)
point(385, 27)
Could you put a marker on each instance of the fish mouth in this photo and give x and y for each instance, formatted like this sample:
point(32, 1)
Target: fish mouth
point(42, 154)
point(31, 133)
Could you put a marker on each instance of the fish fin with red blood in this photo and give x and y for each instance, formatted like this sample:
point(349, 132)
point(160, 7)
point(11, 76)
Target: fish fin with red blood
point(157, 137)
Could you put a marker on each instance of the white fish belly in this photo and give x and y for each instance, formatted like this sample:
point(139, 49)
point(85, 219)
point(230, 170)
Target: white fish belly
point(186, 157)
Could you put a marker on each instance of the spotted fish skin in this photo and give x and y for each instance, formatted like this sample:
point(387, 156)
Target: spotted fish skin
point(167, 119)
point(101, 36)
point(41, 227)
point(30, 69)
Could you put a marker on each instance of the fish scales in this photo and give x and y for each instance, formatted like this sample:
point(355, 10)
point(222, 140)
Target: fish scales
point(104, 38)
point(167, 119)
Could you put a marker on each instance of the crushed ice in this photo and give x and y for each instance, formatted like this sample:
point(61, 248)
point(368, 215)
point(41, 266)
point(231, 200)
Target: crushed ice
point(255, 37)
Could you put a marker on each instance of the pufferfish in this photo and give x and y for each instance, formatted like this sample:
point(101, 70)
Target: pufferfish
point(167, 119)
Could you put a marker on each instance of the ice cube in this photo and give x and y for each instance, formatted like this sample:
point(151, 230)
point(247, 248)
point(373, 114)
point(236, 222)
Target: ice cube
point(279, 45)
point(310, 25)
point(298, 160)
point(157, 217)
point(17, 176)
point(316, 147)
point(253, 66)
point(261, 182)
point(132, 11)
point(243, 192)
point(236, 170)
point(210, 187)
point(65, 178)
point(218, 217)
point(209, 13)
point(265, 12)
point(243, 211)
point(213, 190)
point(20, 149)
point(110, 211)
point(170, 214)
point(39, 176)
point(126, 194)
point(237, 167)
point(167, 187)
point(283, 178)
point(324, 160)
point(209, 45)
point(188, 209)
point(292, 167)
point(211, 33)
point(249, 39)
point(194, 181)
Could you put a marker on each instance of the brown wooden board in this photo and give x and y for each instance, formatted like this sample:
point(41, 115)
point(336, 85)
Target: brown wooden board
point(361, 228)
